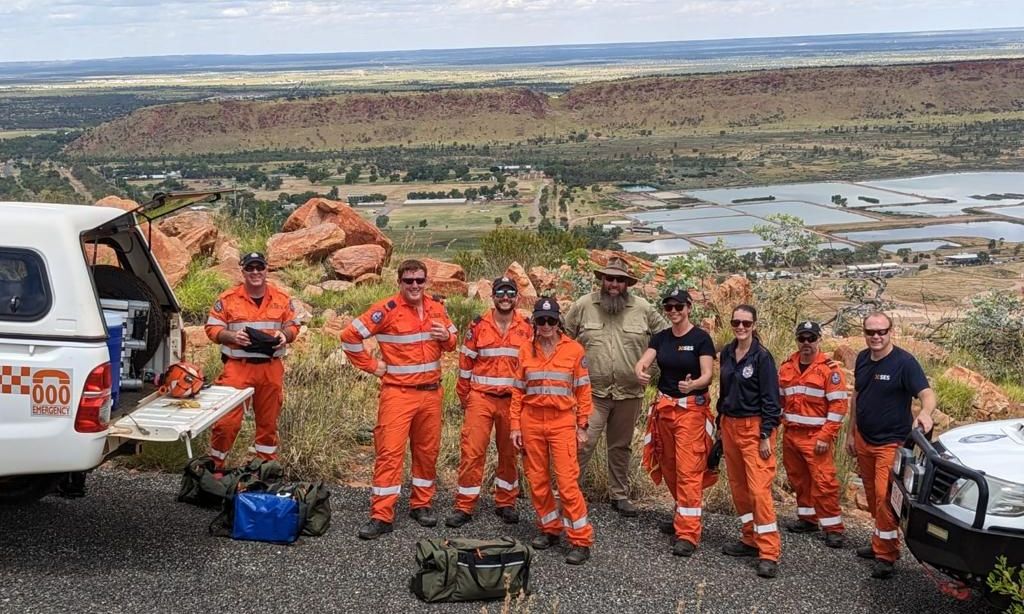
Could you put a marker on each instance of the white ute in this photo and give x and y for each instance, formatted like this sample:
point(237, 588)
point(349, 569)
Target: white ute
point(76, 335)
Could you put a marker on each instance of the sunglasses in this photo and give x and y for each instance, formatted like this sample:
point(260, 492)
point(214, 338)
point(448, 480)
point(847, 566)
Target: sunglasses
point(546, 321)
point(616, 279)
point(872, 332)
point(742, 323)
point(675, 306)
point(252, 268)
point(409, 281)
point(806, 339)
point(505, 294)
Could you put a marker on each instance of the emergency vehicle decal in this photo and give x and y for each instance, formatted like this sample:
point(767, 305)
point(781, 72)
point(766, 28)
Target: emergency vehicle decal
point(49, 390)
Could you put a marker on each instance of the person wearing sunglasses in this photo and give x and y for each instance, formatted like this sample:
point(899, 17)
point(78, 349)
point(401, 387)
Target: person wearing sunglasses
point(886, 380)
point(413, 331)
point(680, 424)
point(256, 305)
point(814, 403)
point(749, 412)
point(615, 327)
point(551, 406)
point(487, 369)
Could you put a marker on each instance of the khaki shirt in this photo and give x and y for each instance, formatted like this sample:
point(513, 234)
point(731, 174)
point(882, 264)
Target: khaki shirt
point(614, 344)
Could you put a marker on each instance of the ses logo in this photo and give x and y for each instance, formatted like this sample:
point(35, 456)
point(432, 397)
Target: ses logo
point(883, 377)
point(49, 390)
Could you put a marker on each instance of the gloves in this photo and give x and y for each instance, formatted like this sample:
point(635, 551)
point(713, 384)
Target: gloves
point(715, 456)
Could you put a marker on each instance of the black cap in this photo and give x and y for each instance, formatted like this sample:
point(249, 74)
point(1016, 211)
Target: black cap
point(546, 306)
point(809, 327)
point(676, 294)
point(504, 282)
point(251, 257)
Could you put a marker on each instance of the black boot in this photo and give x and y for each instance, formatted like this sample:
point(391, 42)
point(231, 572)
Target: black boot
point(424, 515)
point(739, 549)
point(666, 527)
point(802, 526)
point(545, 541)
point(683, 548)
point(374, 529)
point(508, 515)
point(767, 569)
point(457, 519)
point(578, 555)
point(866, 552)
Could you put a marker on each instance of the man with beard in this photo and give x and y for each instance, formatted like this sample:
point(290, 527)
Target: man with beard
point(614, 327)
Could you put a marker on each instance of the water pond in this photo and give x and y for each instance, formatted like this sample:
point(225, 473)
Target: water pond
point(1017, 212)
point(735, 241)
point(674, 215)
point(658, 246)
point(638, 188)
point(817, 193)
point(712, 225)
point(928, 209)
point(985, 230)
point(918, 246)
point(958, 186)
point(812, 215)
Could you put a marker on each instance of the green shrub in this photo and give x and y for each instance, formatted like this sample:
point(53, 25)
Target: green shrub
point(462, 310)
point(473, 263)
point(955, 398)
point(502, 246)
point(328, 300)
point(1014, 391)
point(991, 335)
point(301, 274)
point(358, 299)
point(199, 290)
point(1008, 582)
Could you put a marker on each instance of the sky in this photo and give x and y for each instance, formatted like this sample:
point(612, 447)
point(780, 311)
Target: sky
point(81, 29)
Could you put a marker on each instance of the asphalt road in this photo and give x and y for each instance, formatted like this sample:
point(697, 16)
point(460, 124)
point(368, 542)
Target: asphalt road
point(130, 547)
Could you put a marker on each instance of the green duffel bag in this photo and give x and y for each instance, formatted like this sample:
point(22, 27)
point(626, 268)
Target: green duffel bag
point(470, 569)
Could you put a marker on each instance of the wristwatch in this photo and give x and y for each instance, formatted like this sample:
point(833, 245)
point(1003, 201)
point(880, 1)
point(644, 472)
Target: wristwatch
point(764, 436)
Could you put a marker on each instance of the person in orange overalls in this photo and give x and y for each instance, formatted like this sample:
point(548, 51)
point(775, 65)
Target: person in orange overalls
point(749, 411)
point(412, 330)
point(256, 304)
point(551, 406)
point(814, 402)
point(680, 425)
point(487, 368)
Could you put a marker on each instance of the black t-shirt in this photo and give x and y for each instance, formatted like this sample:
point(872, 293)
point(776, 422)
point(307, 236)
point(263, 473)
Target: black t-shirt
point(679, 356)
point(885, 390)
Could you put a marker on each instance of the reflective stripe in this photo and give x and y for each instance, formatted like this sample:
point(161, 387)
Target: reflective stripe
point(361, 328)
point(680, 402)
point(422, 368)
point(218, 454)
point(468, 352)
point(688, 511)
point(384, 491)
point(403, 339)
point(579, 524)
point(745, 518)
point(808, 420)
point(502, 484)
point(452, 329)
point(469, 491)
point(212, 321)
point(839, 394)
point(805, 511)
point(502, 351)
point(260, 325)
point(520, 384)
point(647, 438)
point(834, 417)
point(808, 390)
point(887, 534)
point(265, 449)
point(493, 381)
point(422, 483)
point(352, 347)
point(709, 426)
point(464, 374)
point(760, 529)
point(553, 516)
point(831, 521)
point(583, 381)
point(555, 375)
point(237, 353)
point(552, 390)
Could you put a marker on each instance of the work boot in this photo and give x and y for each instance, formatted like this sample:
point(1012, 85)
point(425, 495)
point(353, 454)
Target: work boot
point(578, 555)
point(739, 549)
point(866, 552)
point(508, 515)
point(883, 570)
point(424, 515)
point(374, 529)
point(457, 518)
point(767, 569)
point(802, 526)
point(683, 548)
point(666, 527)
point(625, 508)
point(545, 541)
point(835, 540)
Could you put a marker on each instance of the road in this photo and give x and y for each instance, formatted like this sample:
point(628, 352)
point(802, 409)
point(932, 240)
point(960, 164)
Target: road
point(130, 547)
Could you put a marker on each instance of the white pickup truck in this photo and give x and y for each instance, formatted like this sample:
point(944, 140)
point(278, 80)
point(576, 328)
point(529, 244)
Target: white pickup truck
point(79, 342)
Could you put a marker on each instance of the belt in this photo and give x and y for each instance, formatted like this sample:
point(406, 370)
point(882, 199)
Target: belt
point(498, 395)
point(433, 386)
point(252, 361)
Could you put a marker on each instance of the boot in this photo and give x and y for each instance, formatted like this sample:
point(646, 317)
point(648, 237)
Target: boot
point(683, 548)
point(666, 527)
point(374, 529)
point(866, 552)
point(578, 555)
point(625, 508)
point(457, 519)
point(424, 515)
point(508, 515)
point(835, 540)
point(802, 526)
point(739, 549)
point(767, 569)
point(545, 541)
point(883, 570)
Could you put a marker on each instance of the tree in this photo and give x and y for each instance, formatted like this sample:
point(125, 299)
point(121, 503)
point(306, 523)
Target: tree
point(515, 216)
point(333, 193)
point(382, 221)
point(423, 223)
point(497, 221)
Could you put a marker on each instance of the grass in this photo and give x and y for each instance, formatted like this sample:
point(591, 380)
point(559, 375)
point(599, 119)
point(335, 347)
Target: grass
point(301, 274)
point(955, 398)
point(199, 290)
point(1013, 390)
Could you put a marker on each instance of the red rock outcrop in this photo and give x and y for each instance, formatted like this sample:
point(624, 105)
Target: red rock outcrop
point(352, 262)
point(172, 255)
point(447, 287)
point(527, 293)
point(438, 269)
point(357, 230)
point(193, 228)
point(990, 402)
point(305, 245)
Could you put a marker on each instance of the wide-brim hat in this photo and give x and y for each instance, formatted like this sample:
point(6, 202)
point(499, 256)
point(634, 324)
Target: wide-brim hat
point(617, 267)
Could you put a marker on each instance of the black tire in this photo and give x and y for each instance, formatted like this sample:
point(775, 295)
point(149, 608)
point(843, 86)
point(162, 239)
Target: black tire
point(23, 489)
point(112, 282)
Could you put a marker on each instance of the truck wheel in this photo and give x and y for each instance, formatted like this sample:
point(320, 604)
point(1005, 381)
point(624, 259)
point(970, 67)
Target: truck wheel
point(112, 282)
point(22, 489)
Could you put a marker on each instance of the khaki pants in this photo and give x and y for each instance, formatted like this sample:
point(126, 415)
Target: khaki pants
point(620, 418)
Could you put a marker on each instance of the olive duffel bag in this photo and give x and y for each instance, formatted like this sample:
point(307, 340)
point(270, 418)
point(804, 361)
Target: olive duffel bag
point(470, 569)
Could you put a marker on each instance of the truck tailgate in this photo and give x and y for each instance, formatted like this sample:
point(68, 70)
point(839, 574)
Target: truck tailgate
point(162, 418)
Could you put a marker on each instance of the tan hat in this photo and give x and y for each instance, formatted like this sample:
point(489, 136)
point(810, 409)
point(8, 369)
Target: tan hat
point(617, 267)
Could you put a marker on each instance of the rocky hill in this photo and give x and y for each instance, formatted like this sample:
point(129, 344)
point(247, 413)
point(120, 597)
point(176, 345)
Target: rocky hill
point(665, 105)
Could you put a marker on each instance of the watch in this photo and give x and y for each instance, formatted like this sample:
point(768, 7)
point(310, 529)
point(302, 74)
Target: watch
point(764, 436)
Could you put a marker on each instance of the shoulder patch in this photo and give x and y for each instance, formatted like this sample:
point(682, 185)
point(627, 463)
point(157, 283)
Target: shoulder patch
point(835, 378)
point(377, 316)
point(391, 305)
point(219, 305)
point(583, 362)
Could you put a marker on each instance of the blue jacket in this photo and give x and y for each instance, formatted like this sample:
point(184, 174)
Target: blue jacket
point(750, 387)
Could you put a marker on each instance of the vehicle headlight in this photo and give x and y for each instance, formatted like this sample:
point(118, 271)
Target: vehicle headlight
point(1004, 498)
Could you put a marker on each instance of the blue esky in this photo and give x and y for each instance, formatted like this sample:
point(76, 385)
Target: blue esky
point(78, 29)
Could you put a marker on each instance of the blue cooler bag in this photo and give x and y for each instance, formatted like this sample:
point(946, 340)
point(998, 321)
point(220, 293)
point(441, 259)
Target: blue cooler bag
point(266, 517)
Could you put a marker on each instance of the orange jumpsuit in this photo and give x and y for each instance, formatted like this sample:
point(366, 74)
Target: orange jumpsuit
point(813, 404)
point(551, 399)
point(409, 410)
point(487, 371)
point(234, 310)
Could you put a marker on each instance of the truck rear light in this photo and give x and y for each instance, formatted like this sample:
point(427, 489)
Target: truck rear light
point(94, 408)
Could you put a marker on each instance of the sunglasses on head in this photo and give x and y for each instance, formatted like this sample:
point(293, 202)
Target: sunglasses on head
point(806, 338)
point(674, 306)
point(250, 268)
point(616, 279)
point(741, 323)
point(409, 281)
point(546, 321)
point(876, 332)
point(505, 294)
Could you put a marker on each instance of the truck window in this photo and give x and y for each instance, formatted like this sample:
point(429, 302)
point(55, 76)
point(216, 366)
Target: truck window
point(24, 287)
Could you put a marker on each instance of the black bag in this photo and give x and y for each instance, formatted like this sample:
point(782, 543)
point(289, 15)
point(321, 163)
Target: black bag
point(201, 486)
point(260, 342)
point(470, 569)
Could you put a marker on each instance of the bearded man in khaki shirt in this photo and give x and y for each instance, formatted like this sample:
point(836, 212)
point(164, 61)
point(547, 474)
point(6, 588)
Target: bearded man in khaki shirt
point(614, 327)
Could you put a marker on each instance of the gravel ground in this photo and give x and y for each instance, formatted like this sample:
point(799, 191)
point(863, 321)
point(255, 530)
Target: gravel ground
point(130, 547)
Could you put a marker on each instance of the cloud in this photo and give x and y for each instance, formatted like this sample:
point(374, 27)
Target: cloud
point(235, 11)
